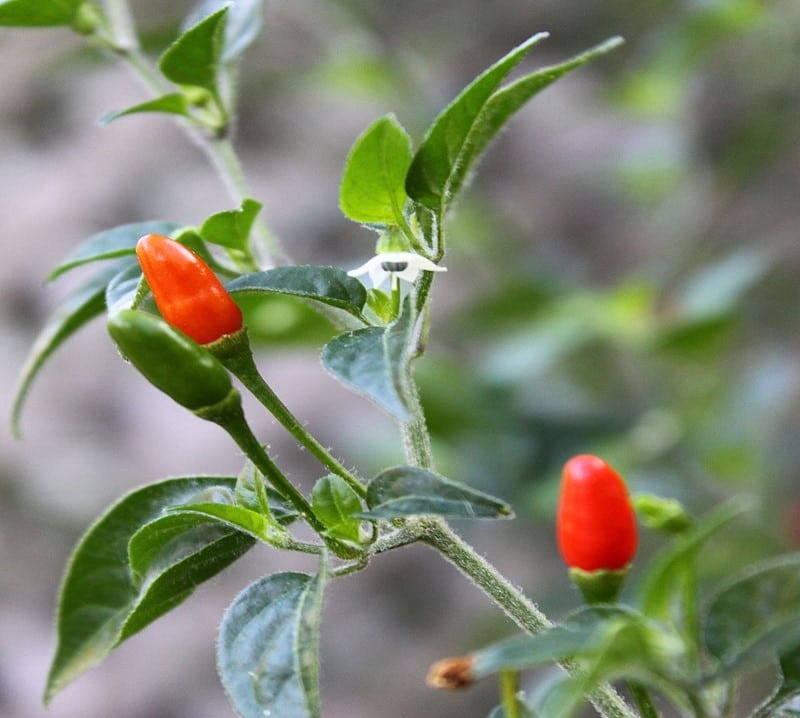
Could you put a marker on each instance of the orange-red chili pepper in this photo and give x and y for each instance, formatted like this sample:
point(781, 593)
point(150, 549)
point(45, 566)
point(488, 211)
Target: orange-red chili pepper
point(596, 523)
point(187, 293)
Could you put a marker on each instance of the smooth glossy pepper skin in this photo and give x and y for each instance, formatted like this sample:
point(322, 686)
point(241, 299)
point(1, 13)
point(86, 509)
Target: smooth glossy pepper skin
point(187, 293)
point(170, 360)
point(595, 523)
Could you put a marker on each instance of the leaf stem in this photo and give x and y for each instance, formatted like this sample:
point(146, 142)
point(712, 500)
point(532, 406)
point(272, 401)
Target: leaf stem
point(237, 357)
point(517, 606)
point(239, 430)
point(509, 685)
point(644, 702)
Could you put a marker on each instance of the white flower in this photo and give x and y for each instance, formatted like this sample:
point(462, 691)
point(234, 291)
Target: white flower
point(403, 265)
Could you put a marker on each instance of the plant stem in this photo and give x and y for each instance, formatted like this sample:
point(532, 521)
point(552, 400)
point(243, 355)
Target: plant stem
point(644, 702)
point(416, 440)
point(124, 44)
point(236, 425)
point(517, 606)
point(238, 359)
point(509, 685)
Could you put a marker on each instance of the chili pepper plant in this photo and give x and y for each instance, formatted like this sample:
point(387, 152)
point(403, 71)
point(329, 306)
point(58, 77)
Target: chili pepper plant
point(170, 293)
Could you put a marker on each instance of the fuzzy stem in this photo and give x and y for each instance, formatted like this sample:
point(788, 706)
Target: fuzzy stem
point(511, 601)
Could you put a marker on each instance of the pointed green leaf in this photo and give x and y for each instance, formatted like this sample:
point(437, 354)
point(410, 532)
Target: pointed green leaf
point(250, 522)
point(328, 285)
point(755, 618)
point(241, 28)
point(663, 583)
point(172, 104)
point(39, 13)
point(116, 242)
point(79, 308)
point(335, 504)
point(374, 362)
point(373, 185)
point(231, 228)
point(267, 655)
point(445, 143)
point(102, 601)
point(194, 58)
point(503, 104)
point(123, 289)
point(410, 491)
point(252, 493)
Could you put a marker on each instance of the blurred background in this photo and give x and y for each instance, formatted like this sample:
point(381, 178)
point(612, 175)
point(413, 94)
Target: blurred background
point(623, 280)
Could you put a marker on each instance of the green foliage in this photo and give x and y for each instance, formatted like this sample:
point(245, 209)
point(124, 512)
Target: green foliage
point(194, 58)
point(39, 13)
point(83, 305)
point(374, 363)
point(231, 229)
point(117, 242)
point(328, 285)
point(242, 26)
point(410, 491)
point(103, 600)
point(268, 645)
point(373, 184)
point(174, 103)
point(255, 524)
point(336, 505)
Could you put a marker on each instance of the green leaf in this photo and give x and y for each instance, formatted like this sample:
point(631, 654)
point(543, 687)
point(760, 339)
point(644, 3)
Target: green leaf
point(267, 655)
point(79, 308)
point(328, 285)
point(374, 362)
point(194, 58)
point(410, 491)
point(102, 602)
point(786, 697)
point(172, 104)
point(336, 504)
point(124, 287)
point(446, 142)
point(241, 28)
point(39, 13)
point(755, 618)
point(464, 130)
point(663, 583)
point(252, 493)
point(116, 242)
point(250, 522)
point(505, 103)
point(231, 228)
point(373, 185)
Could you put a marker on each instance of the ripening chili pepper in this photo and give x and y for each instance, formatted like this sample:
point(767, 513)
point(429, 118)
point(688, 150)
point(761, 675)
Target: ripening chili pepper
point(596, 523)
point(170, 360)
point(187, 293)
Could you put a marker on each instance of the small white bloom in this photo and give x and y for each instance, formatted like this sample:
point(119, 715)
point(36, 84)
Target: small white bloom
point(403, 265)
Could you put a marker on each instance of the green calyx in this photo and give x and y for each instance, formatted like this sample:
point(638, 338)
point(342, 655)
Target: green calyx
point(171, 361)
point(601, 586)
point(392, 240)
point(88, 19)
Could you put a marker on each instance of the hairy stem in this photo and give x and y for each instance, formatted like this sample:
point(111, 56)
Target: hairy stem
point(511, 601)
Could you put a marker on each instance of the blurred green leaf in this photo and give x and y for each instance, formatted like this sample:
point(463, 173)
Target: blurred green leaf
point(172, 104)
point(446, 144)
point(241, 28)
point(328, 285)
point(102, 602)
point(231, 228)
point(374, 363)
point(335, 504)
point(373, 185)
point(411, 491)
point(267, 654)
point(755, 618)
point(194, 58)
point(663, 583)
point(79, 308)
point(785, 702)
point(110, 243)
point(39, 13)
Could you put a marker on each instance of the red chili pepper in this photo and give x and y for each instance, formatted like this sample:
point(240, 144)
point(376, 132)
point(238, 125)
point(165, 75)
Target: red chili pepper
point(187, 293)
point(596, 524)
